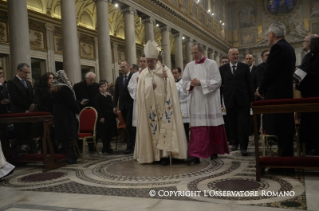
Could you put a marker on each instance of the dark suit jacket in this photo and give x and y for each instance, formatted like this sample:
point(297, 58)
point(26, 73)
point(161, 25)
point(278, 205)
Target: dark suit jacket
point(305, 61)
point(259, 73)
point(20, 97)
point(278, 84)
point(123, 94)
point(253, 77)
point(238, 90)
point(309, 86)
point(82, 91)
point(278, 77)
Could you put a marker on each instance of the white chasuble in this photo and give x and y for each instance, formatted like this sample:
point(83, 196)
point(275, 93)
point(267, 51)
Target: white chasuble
point(160, 129)
point(205, 104)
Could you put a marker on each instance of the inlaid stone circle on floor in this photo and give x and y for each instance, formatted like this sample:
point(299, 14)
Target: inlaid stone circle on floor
point(235, 184)
point(41, 177)
point(118, 169)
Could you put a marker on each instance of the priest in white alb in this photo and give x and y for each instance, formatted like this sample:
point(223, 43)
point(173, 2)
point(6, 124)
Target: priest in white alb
point(160, 132)
point(202, 80)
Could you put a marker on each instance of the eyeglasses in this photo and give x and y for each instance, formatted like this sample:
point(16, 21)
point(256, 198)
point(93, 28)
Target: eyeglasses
point(25, 72)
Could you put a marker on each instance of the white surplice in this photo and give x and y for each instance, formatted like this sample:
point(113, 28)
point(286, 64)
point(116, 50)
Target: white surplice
point(183, 100)
point(132, 86)
point(160, 129)
point(5, 167)
point(205, 105)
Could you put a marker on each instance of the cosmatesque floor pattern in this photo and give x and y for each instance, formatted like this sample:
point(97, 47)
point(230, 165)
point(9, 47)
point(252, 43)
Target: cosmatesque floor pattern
point(117, 182)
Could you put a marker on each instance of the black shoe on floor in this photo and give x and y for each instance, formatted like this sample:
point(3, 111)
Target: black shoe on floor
point(281, 170)
point(244, 152)
point(128, 151)
point(313, 152)
point(165, 161)
point(108, 150)
point(234, 147)
point(193, 160)
point(213, 156)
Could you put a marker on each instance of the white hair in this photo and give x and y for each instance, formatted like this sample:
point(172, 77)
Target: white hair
point(278, 29)
point(88, 74)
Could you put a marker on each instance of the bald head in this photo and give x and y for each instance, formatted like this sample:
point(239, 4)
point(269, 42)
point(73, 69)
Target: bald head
point(249, 59)
point(233, 55)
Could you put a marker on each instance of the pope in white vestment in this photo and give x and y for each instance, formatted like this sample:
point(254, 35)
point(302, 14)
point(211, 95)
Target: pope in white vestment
point(160, 132)
point(5, 167)
point(202, 80)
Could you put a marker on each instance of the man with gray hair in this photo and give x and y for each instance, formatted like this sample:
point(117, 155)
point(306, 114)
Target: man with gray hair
point(277, 84)
point(85, 92)
point(306, 48)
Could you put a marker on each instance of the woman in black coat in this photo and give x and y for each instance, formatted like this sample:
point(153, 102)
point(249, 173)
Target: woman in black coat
point(43, 100)
point(42, 96)
point(106, 123)
point(309, 87)
point(65, 109)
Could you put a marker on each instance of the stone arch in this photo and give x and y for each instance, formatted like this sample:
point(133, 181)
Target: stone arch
point(35, 5)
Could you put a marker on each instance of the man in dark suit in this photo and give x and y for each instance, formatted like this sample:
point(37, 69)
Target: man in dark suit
point(125, 103)
point(237, 90)
point(277, 84)
point(21, 101)
point(85, 92)
point(249, 60)
point(259, 76)
point(306, 48)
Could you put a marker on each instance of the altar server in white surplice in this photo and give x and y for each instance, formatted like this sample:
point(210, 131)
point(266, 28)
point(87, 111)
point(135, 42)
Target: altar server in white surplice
point(160, 132)
point(132, 86)
point(202, 80)
point(183, 99)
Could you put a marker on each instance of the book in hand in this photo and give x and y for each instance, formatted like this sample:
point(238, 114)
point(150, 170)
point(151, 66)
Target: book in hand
point(299, 74)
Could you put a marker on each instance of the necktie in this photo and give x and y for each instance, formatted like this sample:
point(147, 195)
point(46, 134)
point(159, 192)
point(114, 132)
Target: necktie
point(125, 80)
point(24, 83)
point(234, 70)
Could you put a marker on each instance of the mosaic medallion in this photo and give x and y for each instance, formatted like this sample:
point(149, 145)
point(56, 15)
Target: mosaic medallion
point(41, 177)
point(237, 185)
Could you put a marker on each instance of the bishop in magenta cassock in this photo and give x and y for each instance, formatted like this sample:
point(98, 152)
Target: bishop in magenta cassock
point(202, 80)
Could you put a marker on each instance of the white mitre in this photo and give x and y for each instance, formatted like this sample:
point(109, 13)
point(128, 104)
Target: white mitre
point(151, 50)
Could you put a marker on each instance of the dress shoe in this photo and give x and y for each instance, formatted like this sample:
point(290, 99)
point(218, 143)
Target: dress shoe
point(108, 150)
point(165, 161)
point(213, 156)
point(313, 152)
point(128, 151)
point(244, 152)
point(281, 170)
point(193, 160)
point(234, 147)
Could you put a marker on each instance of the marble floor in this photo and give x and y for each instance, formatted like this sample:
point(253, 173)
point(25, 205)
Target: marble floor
point(117, 182)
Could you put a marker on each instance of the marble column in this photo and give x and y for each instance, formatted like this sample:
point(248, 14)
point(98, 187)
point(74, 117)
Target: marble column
point(166, 46)
point(71, 57)
point(97, 70)
point(217, 54)
point(19, 34)
point(129, 29)
point(298, 52)
point(116, 61)
point(188, 45)
point(178, 50)
point(205, 51)
point(104, 42)
point(149, 28)
point(50, 47)
point(258, 58)
point(211, 54)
